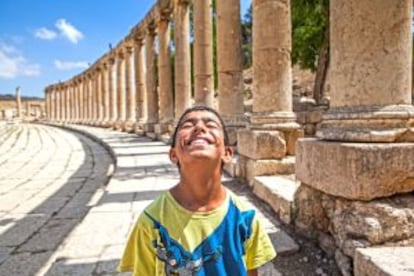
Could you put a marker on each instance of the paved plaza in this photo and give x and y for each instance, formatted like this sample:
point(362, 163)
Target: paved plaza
point(68, 199)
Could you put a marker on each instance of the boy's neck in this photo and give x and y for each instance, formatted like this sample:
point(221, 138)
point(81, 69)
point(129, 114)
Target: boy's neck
point(200, 189)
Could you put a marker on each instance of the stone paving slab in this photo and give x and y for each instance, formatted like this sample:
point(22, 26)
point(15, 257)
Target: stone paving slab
point(384, 261)
point(143, 171)
point(78, 222)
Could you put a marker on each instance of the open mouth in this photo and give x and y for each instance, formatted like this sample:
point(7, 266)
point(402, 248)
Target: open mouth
point(199, 141)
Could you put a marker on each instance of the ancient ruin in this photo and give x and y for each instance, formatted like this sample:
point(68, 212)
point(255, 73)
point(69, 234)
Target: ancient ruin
point(350, 186)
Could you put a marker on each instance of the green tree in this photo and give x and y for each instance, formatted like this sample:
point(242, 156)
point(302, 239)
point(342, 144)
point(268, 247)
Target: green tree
point(246, 30)
point(310, 39)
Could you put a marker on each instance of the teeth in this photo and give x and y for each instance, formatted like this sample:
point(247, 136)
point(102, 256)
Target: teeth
point(199, 142)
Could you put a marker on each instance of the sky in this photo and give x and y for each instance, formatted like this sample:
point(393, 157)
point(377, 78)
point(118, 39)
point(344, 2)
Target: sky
point(46, 41)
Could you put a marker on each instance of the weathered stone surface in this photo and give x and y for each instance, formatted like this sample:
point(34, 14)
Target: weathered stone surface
point(78, 266)
point(257, 144)
point(384, 261)
point(355, 224)
point(360, 171)
point(269, 167)
point(310, 214)
point(359, 224)
point(24, 264)
point(278, 192)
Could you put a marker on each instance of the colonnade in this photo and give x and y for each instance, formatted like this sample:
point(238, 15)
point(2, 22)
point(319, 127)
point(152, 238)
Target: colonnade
point(131, 87)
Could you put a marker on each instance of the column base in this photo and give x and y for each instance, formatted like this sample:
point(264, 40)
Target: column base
point(163, 131)
point(128, 126)
point(393, 123)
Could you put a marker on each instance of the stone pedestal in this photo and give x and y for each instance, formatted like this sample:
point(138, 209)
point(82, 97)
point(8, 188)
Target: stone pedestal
point(357, 171)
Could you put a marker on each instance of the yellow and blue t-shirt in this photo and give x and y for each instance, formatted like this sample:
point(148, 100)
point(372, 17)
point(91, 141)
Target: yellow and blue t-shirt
point(171, 240)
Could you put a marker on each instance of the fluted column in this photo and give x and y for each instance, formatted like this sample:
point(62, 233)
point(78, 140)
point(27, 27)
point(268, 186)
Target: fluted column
point(99, 96)
point(166, 108)
point(89, 87)
point(105, 93)
point(113, 107)
point(120, 78)
point(55, 103)
point(230, 66)
point(47, 102)
point(95, 93)
point(62, 102)
point(68, 107)
point(18, 103)
point(140, 83)
point(182, 63)
point(77, 100)
point(81, 100)
point(130, 93)
point(152, 94)
point(203, 53)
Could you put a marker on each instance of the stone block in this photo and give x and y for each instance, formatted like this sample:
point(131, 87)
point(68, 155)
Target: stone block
point(384, 261)
point(269, 167)
point(357, 171)
point(259, 144)
point(279, 193)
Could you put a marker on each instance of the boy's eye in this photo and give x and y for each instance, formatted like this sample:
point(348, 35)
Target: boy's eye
point(186, 125)
point(212, 124)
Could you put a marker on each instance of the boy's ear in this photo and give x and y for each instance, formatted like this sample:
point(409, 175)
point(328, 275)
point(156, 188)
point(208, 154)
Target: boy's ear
point(228, 154)
point(173, 156)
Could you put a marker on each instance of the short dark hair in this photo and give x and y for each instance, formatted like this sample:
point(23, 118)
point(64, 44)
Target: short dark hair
point(200, 108)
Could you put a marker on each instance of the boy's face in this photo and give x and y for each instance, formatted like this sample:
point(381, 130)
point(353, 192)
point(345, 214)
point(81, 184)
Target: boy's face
point(200, 135)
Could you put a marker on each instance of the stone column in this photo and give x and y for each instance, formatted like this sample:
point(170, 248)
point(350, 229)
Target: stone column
point(267, 146)
point(68, 107)
point(105, 93)
point(55, 103)
point(357, 175)
point(166, 108)
point(203, 53)
point(18, 103)
point(78, 102)
point(370, 63)
point(140, 84)
point(89, 88)
point(62, 102)
point(81, 100)
point(94, 96)
point(230, 66)
point(120, 78)
point(182, 63)
point(47, 102)
point(99, 96)
point(130, 93)
point(152, 93)
point(113, 107)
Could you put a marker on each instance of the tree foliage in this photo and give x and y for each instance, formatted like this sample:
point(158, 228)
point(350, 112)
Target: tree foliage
point(246, 30)
point(310, 19)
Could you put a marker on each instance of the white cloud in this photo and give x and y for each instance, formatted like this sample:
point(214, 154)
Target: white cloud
point(69, 31)
point(69, 65)
point(14, 64)
point(44, 33)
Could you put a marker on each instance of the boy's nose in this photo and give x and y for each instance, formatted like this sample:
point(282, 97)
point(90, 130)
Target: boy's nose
point(200, 126)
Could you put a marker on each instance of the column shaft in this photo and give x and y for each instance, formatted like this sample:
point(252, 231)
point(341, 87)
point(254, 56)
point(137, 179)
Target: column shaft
point(272, 77)
point(140, 84)
point(120, 78)
point(164, 71)
point(182, 64)
point(152, 95)
point(130, 93)
point(203, 53)
point(229, 58)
